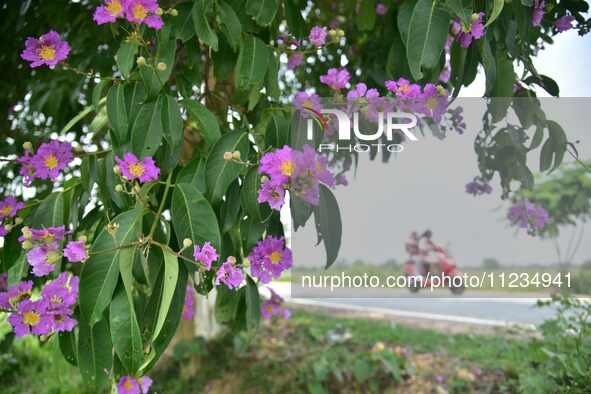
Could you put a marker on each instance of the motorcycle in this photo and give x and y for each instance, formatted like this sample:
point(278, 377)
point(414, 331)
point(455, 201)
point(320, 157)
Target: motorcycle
point(442, 265)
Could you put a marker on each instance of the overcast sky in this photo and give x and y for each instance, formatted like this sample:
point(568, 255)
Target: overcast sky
point(424, 186)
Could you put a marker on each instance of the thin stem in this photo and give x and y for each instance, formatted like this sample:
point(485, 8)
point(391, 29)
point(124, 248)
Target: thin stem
point(60, 191)
point(124, 246)
point(169, 250)
point(161, 207)
point(90, 74)
point(88, 154)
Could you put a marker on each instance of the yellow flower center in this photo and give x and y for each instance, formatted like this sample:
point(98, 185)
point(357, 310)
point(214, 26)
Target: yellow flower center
point(139, 12)
point(308, 104)
point(275, 257)
point(128, 385)
point(287, 167)
point(136, 169)
point(31, 318)
point(47, 53)
point(269, 308)
point(403, 89)
point(56, 300)
point(6, 210)
point(114, 7)
point(432, 103)
point(51, 162)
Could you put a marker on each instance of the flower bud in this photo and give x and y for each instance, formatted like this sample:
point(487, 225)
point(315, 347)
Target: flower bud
point(174, 12)
point(332, 33)
point(119, 188)
point(246, 262)
point(112, 227)
point(18, 220)
point(27, 234)
point(159, 11)
point(141, 61)
point(27, 245)
point(53, 257)
point(82, 238)
point(187, 242)
point(161, 66)
point(28, 146)
point(117, 170)
point(475, 17)
point(227, 155)
point(340, 33)
point(136, 189)
point(232, 260)
point(236, 155)
point(8, 227)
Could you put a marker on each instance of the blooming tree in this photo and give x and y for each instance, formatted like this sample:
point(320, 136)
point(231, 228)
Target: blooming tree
point(148, 149)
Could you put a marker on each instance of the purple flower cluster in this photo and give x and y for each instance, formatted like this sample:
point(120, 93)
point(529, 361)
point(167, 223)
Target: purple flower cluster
point(336, 78)
point(300, 172)
point(318, 35)
point(129, 385)
point(189, 305)
point(135, 11)
point(49, 49)
point(228, 274)
point(143, 170)
point(564, 23)
point(473, 31)
point(478, 186)
point(44, 249)
point(205, 255)
point(269, 258)
point(47, 163)
point(51, 313)
point(539, 6)
point(272, 307)
point(432, 100)
point(303, 100)
point(528, 215)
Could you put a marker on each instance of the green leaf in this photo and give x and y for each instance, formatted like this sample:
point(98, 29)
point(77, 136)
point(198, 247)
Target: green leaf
point(154, 80)
point(100, 272)
point(546, 155)
point(202, 28)
point(193, 173)
point(366, 18)
point(277, 131)
point(230, 207)
point(206, 121)
point(219, 172)
point(172, 121)
point(295, 21)
point(263, 11)
point(117, 112)
point(272, 76)
point(171, 274)
point(328, 224)
point(251, 230)
point(50, 213)
point(250, 195)
point(193, 217)
point(146, 133)
point(403, 19)
point(95, 357)
point(427, 34)
point(125, 331)
point(503, 87)
point(125, 58)
point(68, 346)
point(253, 304)
point(182, 24)
point(462, 8)
point(497, 8)
point(546, 83)
point(226, 304)
point(252, 62)
point(489, 63)
point(232, 28)
point(98, 91)
point(17, 271)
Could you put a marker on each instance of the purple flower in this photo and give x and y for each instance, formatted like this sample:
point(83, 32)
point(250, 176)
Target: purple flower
point(50, 159)
point(269, 258)
point(445, 74)
point(361, 91)
point(435, 100)
point(47, 235)
point(61, 292)
point(145, 383)
point(294, 60)
point(189, 306)
point(31, 318)
point(528, 215)
point(318, 35)
point(565, 23)
point(336, 79)
point(272, 194)
point(128, 385)
point(278, 165)
point(538, 12)
point(132, 168)
point(75, 251)
point(61, 320)
point(16, 294)
point(475, 30)
point(229, 274)
point(9, 207)
point(3, 282)
point(304, 100)
point(109, 12)
point(272, 307)
point(381, 9)
point(43, 258)
point(478, 187)
point(49, 49)
point(403, 88)
point(205, 255)
point(142, 11)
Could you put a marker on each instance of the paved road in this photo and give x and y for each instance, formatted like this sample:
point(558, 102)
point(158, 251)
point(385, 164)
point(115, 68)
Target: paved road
point(484, 311)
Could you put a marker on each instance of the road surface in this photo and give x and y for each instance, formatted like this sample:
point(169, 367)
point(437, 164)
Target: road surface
point(461, 309)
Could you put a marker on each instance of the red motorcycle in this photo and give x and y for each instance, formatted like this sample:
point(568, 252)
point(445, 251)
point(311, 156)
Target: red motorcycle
point(432, 272)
